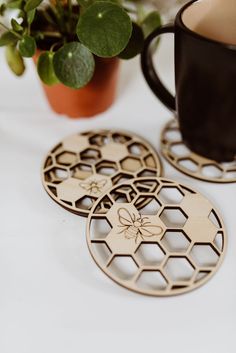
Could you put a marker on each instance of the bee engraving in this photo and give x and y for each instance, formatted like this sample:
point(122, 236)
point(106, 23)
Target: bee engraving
point(135, 227)
point(93, 186)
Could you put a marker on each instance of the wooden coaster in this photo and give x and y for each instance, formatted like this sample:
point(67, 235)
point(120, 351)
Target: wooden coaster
point(190, 163)
point(172, 245)
point(84, 166)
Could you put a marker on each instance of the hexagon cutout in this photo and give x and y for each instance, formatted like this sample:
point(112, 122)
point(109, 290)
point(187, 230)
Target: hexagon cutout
point(137, 149)
point(170, 195)
point(180, 150)
point(189, 164)
point(56, 175)
point(219, 241)
point(66, 158)
point(82, 171)
point(125, 194)
point(102, 252)
point(212, 171)
point(230, 174)
point(204, 255)
point(152, 206)
point(123, 267)
point(90, 155)
point(147, 172)
point(175, 241)
point(85, 203)
point(48, 162)
point(147, 186)
point(214, 219)
point(179, 269)
point(201, 275)
point(120, 138)
point(152, 281)
point(106, 168)
point(173, 135)
point(99, 228)
point(149, 254)
point(98, 140)
point(173, 217)
point(150, 162)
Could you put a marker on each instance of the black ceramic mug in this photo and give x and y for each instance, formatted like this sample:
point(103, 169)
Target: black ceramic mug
point(205, 76)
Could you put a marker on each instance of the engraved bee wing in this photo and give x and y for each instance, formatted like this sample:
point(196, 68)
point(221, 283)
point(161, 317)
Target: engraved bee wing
point(125, 217)
point(101, 183)
point(150, 230)
point(85, 186)
point(129, 235)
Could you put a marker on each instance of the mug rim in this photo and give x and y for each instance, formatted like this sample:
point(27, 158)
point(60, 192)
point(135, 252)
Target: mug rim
point(179, 20)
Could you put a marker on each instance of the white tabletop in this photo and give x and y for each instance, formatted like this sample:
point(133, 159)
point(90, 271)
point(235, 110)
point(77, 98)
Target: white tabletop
point(53, 298)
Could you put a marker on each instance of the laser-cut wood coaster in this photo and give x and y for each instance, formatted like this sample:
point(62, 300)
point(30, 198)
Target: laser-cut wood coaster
point(190, 163)
point(172, 245)
point(83, 166)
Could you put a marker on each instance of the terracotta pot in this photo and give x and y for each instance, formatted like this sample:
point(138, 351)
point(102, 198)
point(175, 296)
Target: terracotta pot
point(90, 100)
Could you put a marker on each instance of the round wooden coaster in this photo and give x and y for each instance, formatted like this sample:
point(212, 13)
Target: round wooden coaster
point(190, 163)
point(84, 166)
point(174, 244)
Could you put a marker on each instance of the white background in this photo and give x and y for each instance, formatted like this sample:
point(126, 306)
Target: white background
point(53, 298)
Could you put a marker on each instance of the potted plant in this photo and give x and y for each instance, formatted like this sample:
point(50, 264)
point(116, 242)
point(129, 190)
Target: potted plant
point(76, 47)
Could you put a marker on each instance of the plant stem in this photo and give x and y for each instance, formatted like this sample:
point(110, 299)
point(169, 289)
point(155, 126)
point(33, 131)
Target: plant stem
point(51, 34)
point(54, 45)
point(60, 11)
point(56, 13)
point(69, 13)
point(48, 17)
point(10, 30)
point(70, 7)
point(4, 26)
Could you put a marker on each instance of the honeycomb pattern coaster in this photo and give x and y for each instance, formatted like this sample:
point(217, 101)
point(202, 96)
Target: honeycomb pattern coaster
point(84, 166)
point(190, 163)
point(174, 244)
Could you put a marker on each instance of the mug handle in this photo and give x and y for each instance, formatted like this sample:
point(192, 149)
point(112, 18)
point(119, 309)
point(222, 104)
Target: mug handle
point(149, 72)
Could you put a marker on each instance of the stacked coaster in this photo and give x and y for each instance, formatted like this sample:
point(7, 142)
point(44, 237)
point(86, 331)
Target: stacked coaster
point(83, 166)
point(149, 234)
point(190, 163)
point(173, 244)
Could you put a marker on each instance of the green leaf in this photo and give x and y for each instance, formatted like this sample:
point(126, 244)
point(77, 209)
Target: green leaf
point(32, 4)
point(104, 28)
point(74, 65)
point(135, 44)
point(15, 4)
point(45, 68)
point(22, 14)
point(2, 9)
point(151, 22)
point(27, 46)
point(16, 26)
point(30, 16)
point(14, 60)
point(8, 38)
